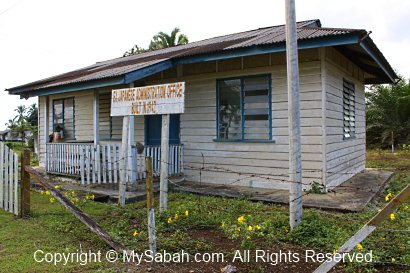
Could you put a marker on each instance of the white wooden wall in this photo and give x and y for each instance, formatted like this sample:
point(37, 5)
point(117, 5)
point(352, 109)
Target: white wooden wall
point(344, 158)
point(198, 126)
point(322, 138)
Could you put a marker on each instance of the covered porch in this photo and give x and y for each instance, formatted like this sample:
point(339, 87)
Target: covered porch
point(99, 163)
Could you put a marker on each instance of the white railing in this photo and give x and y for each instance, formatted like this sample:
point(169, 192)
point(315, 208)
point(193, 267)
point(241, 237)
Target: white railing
point(64, 158)
point(100, 163)
point(9, 168)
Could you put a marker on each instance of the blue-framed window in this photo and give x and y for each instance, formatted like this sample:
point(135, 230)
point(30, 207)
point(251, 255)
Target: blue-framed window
point(63, 117)
point(349, 120)
point(244, 109)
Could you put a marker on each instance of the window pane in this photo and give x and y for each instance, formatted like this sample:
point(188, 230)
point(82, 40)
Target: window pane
point(230, 121)
point(69, 118)
point(256, 108)
point(58, 115)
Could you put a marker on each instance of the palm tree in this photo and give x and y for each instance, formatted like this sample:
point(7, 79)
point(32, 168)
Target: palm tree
point(21, 113)
point(32, 115)
point(11, 125)
point(161, 40)
point(134, 50)
point(164, 40)
point(388, 114)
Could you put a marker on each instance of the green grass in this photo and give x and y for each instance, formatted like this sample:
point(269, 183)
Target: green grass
point(53, 229)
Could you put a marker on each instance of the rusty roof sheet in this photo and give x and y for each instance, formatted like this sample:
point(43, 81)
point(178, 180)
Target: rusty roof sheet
point(116, 67)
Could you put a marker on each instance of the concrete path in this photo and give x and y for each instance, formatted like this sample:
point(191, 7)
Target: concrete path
point(351, 196)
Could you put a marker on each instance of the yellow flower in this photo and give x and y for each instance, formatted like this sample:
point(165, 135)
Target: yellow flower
point(42, 192)
point(57, 187)
point(92, 197)
point(223, 225)
point(169, 220)
point(136, 233)
point(406, 207)
point(72, 192)
point(359, 247)
point(379, 210)
point(250, 228)
point(176, 216)
point(186, 213)
point(334, 251)
point(388, 197)
point(52, 200)
point(258, 227)
point(393, 260)
point(238, 229)
point(392, 216)
point(241, 219)
point(47, 193)
point(286, 230)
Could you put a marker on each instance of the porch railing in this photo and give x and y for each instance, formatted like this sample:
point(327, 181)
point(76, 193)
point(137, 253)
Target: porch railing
point(100, 163)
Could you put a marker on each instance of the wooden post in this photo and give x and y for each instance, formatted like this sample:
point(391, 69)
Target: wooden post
point(96, 117)
point(150, 206)
point(295, 158)
point(131, 141)
point(392, 142)
point(123, 161)
point(163, 189)
point(25, 184)
point(79, 214)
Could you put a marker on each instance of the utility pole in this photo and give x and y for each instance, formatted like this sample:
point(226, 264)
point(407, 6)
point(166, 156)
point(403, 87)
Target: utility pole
point(295, 160)
point(124, 161)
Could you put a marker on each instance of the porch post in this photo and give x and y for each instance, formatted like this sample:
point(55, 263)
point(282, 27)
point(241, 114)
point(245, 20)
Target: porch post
point(46, 129)
point(132, 177)
point(96, 119)
point(163, 190)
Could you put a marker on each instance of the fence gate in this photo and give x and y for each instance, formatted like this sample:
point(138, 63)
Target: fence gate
point(9, 194)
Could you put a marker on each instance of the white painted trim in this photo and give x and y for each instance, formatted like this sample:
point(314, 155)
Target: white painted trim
point(46, 127)
point(96, 119)
point(322, 52)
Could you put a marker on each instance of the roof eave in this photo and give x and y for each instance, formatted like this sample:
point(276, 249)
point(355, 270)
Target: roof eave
point(328, 41)
point(370, 48)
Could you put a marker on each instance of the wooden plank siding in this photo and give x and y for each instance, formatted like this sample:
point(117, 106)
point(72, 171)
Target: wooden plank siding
point(344, 158)
point(269, 161)
point(321, 121)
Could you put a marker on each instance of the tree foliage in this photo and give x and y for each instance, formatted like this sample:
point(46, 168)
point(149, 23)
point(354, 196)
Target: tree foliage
point(25, 120)
point(388, 114)
point(159, 41)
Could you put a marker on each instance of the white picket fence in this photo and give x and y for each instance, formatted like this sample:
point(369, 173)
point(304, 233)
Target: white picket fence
point(9, 189)
point(100, 163)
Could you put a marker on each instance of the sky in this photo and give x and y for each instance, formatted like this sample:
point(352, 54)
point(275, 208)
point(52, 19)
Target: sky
point(42, 38)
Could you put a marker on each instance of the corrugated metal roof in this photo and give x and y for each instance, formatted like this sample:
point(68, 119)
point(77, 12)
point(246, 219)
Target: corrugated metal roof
point(310, 29)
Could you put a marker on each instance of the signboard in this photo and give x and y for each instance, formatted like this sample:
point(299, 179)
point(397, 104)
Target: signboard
point(149, 100)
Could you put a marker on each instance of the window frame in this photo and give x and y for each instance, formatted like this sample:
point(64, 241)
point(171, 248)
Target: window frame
point(242, 79)
point(352, 136)
point(63, 115)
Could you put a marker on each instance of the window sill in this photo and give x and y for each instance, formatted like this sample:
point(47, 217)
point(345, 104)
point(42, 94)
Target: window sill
point(349, 138)
point(244, 141)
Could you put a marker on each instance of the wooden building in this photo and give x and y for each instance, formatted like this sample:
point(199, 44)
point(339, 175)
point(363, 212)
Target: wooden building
point(235, 125)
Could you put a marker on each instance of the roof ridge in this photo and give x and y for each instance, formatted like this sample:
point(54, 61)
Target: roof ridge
point(207, 39)
point(335, 28)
